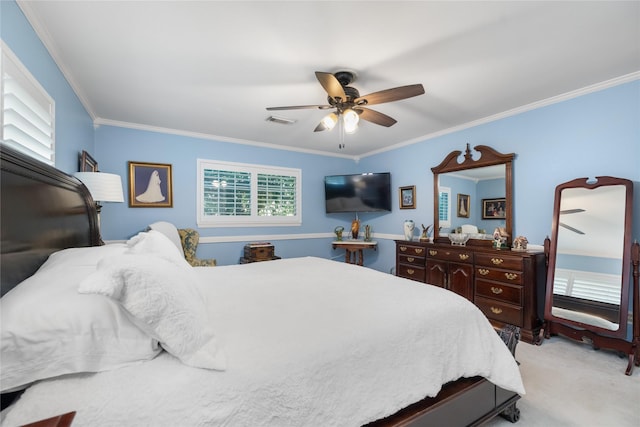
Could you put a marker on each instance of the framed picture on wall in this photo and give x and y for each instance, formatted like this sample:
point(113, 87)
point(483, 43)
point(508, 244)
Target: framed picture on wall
point(494, 208)
point(150, 185)
point(87, 163)
point(463, 205)
point(408, 197)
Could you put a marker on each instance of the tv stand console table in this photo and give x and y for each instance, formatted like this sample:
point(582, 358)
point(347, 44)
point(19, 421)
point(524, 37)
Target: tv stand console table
point(353, 248)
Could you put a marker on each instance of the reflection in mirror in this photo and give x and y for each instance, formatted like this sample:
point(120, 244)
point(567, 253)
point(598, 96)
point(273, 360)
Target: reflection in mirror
point(587, 282)
point(466, 190)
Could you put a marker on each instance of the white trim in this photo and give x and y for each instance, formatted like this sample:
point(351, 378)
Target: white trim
point(514, 111)
point(270, 237)
point(50, 45)
point(100, 121)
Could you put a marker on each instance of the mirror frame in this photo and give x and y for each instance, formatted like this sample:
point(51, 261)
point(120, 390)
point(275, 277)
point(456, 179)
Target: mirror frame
point(488, 157)
point(550, 319)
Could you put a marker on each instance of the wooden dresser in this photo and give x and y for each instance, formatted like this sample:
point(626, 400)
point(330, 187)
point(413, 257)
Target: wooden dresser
point(508, 286)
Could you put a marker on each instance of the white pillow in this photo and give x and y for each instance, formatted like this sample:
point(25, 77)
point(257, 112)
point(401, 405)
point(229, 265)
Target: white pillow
point(170, 231)
point(48, 329)
point(78, 257)
point(156, 243)
point(163, 299)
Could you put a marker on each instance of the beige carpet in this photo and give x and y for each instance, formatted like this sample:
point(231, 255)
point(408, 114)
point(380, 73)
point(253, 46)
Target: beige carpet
point(570, 384)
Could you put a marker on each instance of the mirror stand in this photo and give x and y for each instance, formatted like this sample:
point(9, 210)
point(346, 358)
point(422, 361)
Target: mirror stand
point(593, 268)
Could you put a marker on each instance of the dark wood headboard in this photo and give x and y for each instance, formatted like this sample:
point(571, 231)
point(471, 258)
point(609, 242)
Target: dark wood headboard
point(42, 210)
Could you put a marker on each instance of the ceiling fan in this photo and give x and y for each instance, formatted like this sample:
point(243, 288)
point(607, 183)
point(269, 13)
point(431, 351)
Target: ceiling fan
point(568, 227)
point(348, 103)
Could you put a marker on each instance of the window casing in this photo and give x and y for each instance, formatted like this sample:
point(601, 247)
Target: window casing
point(27, 111)
point(238, 194)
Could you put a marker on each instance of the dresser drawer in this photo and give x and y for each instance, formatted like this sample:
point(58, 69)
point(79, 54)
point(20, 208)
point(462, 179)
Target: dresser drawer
point(458, 255)
point(500, 311)
point(411, 272)
point(410, 250)
point(498, 260)
point(500, 291)
point(507, 276)
point(411, 259)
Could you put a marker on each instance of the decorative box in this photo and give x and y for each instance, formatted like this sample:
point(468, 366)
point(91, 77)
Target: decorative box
point(258, 251)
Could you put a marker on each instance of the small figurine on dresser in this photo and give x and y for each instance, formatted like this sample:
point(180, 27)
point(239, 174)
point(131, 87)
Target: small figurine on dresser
point(426, 233)
point(520, 243)
point(500, 236)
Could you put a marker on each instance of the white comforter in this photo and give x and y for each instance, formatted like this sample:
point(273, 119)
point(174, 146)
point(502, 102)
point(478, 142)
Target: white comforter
point(309, 342)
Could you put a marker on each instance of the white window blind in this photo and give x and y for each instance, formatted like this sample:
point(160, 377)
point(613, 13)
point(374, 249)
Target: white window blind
point(236, 194)
point(587, 285)
point(444, 207)
point(27, 119)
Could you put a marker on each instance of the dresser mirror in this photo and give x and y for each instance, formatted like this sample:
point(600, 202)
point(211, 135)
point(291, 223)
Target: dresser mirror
point(588, 280)
point(473, 195)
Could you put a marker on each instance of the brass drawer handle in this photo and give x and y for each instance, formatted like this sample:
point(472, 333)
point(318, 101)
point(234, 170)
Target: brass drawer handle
point(418, 250)
point(410, 271)
point(497, 261)
point(496, 291)
point(510, 276)
point(410, 259)
point(495, 310)
point(464, 256)
point(403, 248)
point(433, 252)
point(483, 271)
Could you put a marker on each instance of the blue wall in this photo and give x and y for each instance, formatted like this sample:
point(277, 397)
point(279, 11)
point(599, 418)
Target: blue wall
point(591, 135)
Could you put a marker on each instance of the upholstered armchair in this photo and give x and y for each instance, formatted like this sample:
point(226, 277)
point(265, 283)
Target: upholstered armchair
point(186, 240)
point(189, 239)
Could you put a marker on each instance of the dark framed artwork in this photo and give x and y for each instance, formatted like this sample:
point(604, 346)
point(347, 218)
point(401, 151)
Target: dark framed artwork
point(463, 205)
point(87, 163)
point(408, 197)
point(494, 208)
point(150, 185)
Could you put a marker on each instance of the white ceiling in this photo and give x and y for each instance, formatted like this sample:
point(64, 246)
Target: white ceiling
point(210, 68)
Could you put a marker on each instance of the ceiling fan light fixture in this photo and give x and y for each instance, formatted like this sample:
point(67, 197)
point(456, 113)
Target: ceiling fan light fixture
point(330, 120)
point(351, 119)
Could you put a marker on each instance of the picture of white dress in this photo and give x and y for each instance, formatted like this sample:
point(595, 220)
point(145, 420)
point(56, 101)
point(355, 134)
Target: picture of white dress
point(153, 193)
point(150, 185)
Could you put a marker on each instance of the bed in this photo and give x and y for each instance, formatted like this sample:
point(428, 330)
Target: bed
point(302, 341)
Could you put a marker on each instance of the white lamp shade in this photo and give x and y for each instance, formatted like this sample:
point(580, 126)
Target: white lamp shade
point(104, 187)
point(351, 119)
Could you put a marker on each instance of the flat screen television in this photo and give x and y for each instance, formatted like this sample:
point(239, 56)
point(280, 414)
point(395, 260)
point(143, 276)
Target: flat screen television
point(367, 192)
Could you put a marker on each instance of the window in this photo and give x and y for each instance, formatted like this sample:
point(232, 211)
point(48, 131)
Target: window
point(27, 119)
point(444, 207)
point(236, 194)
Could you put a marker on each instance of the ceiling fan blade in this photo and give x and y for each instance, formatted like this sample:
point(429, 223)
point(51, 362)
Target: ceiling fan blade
point(389, 95)
point(571, 211)
point(331, 85)
point(299, 107)
point(568, 227)
point(375, 117)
